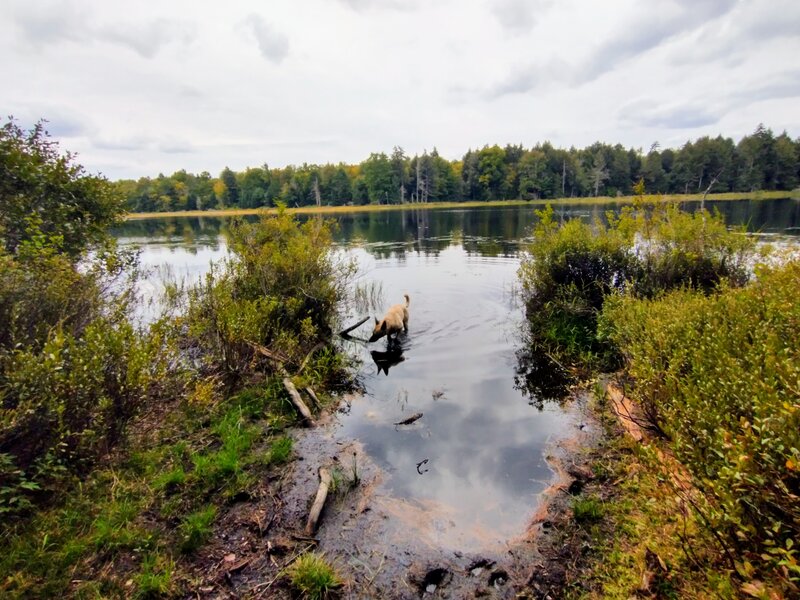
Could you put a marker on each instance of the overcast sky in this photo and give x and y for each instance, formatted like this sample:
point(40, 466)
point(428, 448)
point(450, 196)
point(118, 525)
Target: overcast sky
point(138, 88)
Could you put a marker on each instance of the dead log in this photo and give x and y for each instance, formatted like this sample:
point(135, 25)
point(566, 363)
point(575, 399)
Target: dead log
point(270, 354)
point(297, 400)
point(349, 329)
point(313, 396)
point(319, 501)
point(410, 419)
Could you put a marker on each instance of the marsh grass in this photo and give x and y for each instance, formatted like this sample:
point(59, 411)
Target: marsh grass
point(196, 528)
point(587, 509)
point(313, 576)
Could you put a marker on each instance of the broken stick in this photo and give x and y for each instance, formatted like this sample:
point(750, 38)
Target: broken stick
point(410, 419)
point(319, 501)
point(297, 400)
point(313, 396)
point(349, 329)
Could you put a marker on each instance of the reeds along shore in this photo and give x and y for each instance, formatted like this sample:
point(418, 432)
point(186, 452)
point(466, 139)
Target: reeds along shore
point(233, 212)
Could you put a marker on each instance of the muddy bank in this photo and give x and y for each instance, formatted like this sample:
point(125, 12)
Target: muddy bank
point(391, 547)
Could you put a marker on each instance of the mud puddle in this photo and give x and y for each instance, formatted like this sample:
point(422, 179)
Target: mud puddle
point(393, 547)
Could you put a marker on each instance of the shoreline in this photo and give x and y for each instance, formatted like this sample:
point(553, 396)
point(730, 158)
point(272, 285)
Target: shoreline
point(333, 210)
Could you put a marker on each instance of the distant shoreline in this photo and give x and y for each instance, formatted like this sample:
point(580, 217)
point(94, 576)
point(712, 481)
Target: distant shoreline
point(235, 212)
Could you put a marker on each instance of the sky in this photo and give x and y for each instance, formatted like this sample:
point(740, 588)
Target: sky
point(141, 88)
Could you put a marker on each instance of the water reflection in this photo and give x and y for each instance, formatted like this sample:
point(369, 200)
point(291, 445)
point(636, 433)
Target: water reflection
point(539, 377)
point(484, 231)
point(393, 355)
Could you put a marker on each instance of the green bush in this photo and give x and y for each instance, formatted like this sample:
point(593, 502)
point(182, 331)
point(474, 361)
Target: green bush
point(38, 182)
point(573, 267)
point(72, 366)
point(570, 269)
point(280, 290)
point(720, 375)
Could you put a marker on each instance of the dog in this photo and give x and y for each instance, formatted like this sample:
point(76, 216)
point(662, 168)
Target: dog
point(395, 320)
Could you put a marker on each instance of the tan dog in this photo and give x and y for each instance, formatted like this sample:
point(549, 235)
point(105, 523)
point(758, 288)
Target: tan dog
point(395, 319)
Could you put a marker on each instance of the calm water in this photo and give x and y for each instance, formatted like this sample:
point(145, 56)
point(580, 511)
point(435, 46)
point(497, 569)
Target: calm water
point(478, 453)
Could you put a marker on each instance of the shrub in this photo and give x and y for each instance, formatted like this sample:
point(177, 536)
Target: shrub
point(572, 268)
point(280, 290)
point(37, 181)
point(72, 366)
point(719, 375)
point(313, 576)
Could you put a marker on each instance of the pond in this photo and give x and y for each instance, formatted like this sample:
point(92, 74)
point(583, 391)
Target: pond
point(479, 453)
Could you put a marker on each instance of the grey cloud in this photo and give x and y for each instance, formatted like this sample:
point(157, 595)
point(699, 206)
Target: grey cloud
point(57, 23)
point(532, 77)
point(147, 39)
point(646, 113)
point(273, 44)
point(62, 23)
point(135, 143)
point(649, 113)
point(644, 31)
point(519, 16)
point(787, 85)
point(732, 43)
point(176, 147)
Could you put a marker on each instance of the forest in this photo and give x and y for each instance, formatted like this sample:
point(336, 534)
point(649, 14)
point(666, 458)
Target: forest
point(758, 162)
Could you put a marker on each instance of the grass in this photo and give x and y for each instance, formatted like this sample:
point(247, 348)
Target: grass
point(230, 212)
point(313, 577)
point(649, 541)
point(587, 509)
point(196, 528)
point(118, 523)
point(281, 450)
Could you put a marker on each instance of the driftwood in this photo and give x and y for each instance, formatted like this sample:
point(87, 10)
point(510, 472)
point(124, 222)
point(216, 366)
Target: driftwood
point(270, 354)
point(319, 501)
point(313, 396)
point(294, 395)
point(349, 329)
point(410, 419)
point(297, 400)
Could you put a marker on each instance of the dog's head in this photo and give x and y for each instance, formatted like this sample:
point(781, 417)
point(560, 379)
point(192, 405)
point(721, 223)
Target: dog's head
point(379, 330)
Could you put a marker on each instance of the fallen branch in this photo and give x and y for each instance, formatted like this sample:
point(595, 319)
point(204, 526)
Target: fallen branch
point(298, 401)
point(410, 419)
point(311, 352)
point(349, 329)
point(270, 354)
point(313, 396)
point(319, 501)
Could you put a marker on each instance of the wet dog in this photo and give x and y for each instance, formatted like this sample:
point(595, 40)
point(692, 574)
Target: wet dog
point(394, 321)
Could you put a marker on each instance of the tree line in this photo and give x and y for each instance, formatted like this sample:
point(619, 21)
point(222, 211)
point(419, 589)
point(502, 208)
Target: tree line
point(759, 161)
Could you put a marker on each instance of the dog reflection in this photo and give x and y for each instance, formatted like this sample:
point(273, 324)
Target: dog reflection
point(388, 359)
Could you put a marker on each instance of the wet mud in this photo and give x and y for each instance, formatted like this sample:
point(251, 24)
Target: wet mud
point(390, 547)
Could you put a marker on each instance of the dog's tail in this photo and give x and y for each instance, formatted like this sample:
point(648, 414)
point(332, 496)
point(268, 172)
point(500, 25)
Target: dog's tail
point(408, 300)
